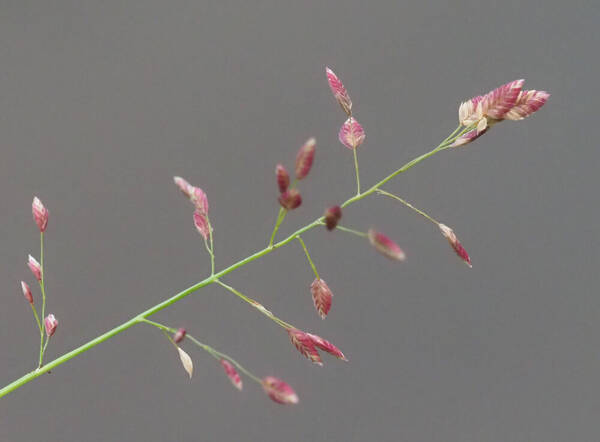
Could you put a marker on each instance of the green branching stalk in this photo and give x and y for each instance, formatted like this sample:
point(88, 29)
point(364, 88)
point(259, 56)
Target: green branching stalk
point(141, 317)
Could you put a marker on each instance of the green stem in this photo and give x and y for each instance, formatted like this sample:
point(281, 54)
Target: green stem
point(253, 303)
point(354, 232)
point(43, 290)
point(409, 205)
point(312, 264)
point(280, 217)
point(211, 279)
point(212, 247)
point(357, 174)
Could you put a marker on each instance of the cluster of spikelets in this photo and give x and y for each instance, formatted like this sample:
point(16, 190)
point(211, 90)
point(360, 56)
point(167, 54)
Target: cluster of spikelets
point(476, 117)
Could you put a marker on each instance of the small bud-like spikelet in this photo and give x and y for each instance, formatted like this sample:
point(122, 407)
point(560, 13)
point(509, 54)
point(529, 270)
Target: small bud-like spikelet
point(497, 103)
point(279, 391)
point(183, 185)
point(186, 361)
point(339, 91)
point(290, 199)
point(468, 137)
point(351, 133)
point(322, 297)
point(305, 158)
point(305, 345)
point(201, 223)
point(35, 268)
point(385, 246)
point(467, 111)
point(199, 199)
point(527, 103)
point(179, 335)
point(232, 374)
point(455, 243)
point(27, 292)
point(261, 308)
point(40, 214)
point(50, 323)
point(327, 347)
point(283, 178)
point(332, 216)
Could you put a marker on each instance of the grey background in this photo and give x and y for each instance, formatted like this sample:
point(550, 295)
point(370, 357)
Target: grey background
point(103, 102)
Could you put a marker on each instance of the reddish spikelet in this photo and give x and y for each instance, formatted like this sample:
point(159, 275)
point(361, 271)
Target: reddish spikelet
point(339, 91)
point(467, 111)
point(199, 199)
point(305, 345)
point(528, 102)
point(35, 268)
point(468, 137)
point(385, 246)
point(305, 158)
point(497, 103)
point(201, 224)
point(183, 185)
point(40, 214)
point(322, 297)
point(283, 178)
point(179, 335)
point(351, 133)
point(327, 346)
point(332, 216)
point(455, 243)
point(290, 199)
point(279, 391)
point(50, 323)
point(27, 292)
point(232, 374)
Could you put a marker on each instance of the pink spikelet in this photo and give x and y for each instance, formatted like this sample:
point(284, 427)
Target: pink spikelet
point(283, 178)
point(528, 102)
point(305, 345)
point(327, 347)
point(468, 137)
point(339, 91)
point(305, 158)
point(467, 111)
point(35, 268)
point(232, 374)
point(27, 292)
point(279, 391)
point(385, 245)
point(455, 244)
point(332, 216)
point(40, 214)
point(179, 335)
point(290, 199)
point(322, 297)
point(201, 224)
point(497, 103)
point(50, 324)
point(199, 199)
point(351, 133)
point(183, 185)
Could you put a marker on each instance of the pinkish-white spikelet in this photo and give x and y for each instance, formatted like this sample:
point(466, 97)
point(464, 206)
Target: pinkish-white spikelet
point(385, 245)
point(455, 243)
point(201, 223)
point(327, 346)
point(232, 374)
point(468, 137)
point(497, 103)
point(339, 91)
point(179, 335)
point(351, 133)
point(50, 324)
point(35, 268)
point(27, 292)
point(305, 158)
point(279, 391)
point(199, 199)
point(305, 345)
point(467, 111)
point(183, 185)
point(527, 103)
point(40, 214)
point(322, 297)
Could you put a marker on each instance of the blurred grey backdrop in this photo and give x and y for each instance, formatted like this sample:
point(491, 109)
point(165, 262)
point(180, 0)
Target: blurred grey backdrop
point(103, 102)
